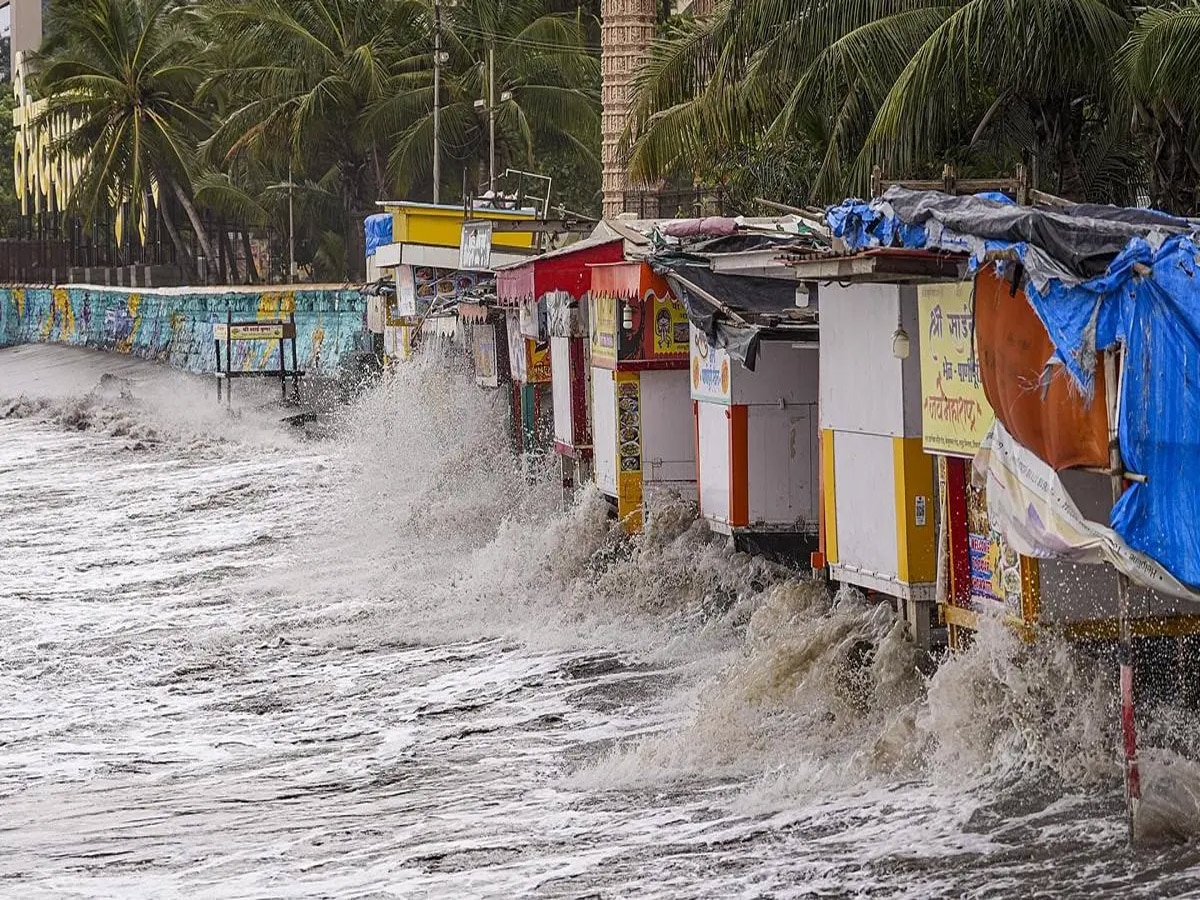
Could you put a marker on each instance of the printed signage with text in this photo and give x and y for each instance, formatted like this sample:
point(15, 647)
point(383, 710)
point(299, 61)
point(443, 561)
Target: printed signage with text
point(710, 370)
point(955, 415)
point(475, 250)
point(604, 329)
point(486, 370)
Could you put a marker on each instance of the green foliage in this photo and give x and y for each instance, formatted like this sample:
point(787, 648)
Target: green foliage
point(126, 72)
point(219, 105)
point(9, 208)
point(911, 84)
point(546, 95)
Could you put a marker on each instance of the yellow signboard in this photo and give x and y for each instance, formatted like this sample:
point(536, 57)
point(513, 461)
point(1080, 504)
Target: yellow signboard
point(604, 328)
point(955, 414)
point(671, 331)
point(274, 331)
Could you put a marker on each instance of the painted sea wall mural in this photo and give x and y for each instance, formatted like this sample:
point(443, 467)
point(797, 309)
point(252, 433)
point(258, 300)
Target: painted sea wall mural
point(175, 325)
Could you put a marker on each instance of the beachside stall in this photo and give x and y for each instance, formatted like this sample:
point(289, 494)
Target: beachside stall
point(485, 328)
point(983, 345)
point(642, 427)
point(753, 375)
point(1000, 389)
point(424, 262)
point(879, 520)
point(547, 299)
point(1085, 336)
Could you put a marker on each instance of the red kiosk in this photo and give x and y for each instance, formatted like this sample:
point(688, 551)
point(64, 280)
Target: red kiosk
point(545, 298)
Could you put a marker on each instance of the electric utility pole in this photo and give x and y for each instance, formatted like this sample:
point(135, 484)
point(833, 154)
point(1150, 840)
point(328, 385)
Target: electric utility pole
point(492, 119)
point(437, 99)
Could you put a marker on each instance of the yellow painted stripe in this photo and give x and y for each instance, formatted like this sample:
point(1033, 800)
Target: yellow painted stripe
point(916, 545)
point(629, 484)
point(829, 497)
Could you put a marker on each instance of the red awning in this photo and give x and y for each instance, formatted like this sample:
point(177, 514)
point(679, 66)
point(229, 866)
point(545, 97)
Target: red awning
point(566, 270)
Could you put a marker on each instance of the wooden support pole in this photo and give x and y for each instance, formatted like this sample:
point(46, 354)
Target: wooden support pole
point(1133, 785)
point(295, 364)
point(228, 356)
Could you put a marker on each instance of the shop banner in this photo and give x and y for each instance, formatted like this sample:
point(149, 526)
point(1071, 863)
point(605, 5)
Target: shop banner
point(603, 314)
point(1029, 505)
point(538, 367)
point(710, 370)
point(997, 579)
point(671, 325)
point(955, 415)
point(487, 370)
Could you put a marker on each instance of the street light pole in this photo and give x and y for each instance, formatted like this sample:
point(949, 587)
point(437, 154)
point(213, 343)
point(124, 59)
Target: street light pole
point(492, 119)
point(291, 232)
point(437, 99)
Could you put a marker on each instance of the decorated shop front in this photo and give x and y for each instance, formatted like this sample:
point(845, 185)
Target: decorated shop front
point(643, 431)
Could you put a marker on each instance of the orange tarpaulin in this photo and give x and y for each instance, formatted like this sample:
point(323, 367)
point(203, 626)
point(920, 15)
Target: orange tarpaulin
point(1047, 413)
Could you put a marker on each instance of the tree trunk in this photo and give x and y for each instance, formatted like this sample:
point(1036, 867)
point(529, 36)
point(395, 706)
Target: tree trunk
point(227, 252)
point(181, 255)
point(189, 208)
point(1174, 173)
point(251, 269)
point(222, 271)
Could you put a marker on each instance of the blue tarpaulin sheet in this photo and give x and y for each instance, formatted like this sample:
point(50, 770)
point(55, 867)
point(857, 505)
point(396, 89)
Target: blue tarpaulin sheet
point(378, 229)
point(1156, 316)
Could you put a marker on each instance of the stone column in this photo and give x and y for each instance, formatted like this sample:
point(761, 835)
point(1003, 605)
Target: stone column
point(25, 19)
point(626, 31)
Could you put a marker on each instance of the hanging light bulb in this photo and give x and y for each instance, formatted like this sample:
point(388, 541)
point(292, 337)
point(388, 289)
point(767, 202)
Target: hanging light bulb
point(627, 317)
point(901, 345)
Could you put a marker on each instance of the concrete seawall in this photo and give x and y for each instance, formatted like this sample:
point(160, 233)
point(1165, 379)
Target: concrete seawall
point(175, 325)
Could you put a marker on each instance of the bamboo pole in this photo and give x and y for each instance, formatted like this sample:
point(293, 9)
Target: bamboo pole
point(1133, 787)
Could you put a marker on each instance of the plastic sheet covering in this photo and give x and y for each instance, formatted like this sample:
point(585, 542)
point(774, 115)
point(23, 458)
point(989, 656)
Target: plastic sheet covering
point(1029, 505)
point(1038, 402)
point(739, 341)
point(698, 287)
point(1082, 268)
point(1069, 244)
point(378, 231)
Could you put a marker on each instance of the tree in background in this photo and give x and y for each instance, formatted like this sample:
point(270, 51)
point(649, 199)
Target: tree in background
point(1159, 67)
point(546, 92)
point(10, 209)
point(207, 114)
point(126, 72)
point(906, 84)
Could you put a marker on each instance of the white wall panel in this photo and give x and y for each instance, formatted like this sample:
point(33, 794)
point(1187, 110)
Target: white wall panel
point(860, 380)
point(560, 373)
point(781, 372)
point(783, 456)
point(668, 428)
point(713, 426)
point(604, 429)
point(864, 479)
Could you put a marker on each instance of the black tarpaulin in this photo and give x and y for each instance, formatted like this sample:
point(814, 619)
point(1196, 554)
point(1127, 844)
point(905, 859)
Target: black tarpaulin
point(731, 309)
point(1081, 240)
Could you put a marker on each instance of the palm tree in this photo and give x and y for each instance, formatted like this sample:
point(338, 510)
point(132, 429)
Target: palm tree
point(905, 82)
point(540, 68)
point(1159, 66)
point(125, 72)
point(296, 80)
point(1041, 68)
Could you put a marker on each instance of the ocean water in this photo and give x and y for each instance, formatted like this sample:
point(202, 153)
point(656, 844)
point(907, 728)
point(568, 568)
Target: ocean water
point(239, 662)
